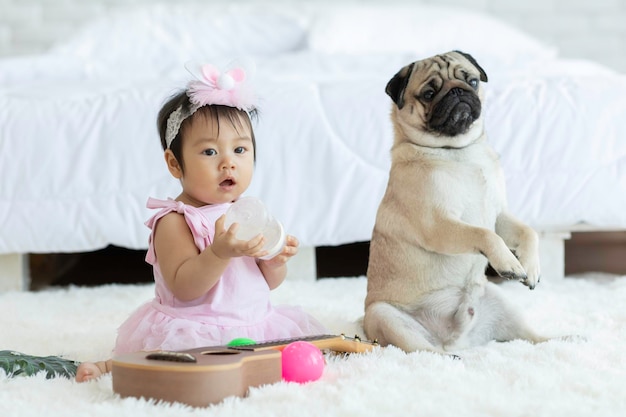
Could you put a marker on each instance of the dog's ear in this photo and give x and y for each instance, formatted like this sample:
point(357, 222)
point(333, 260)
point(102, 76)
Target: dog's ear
point(397, 85)
point(483, 74)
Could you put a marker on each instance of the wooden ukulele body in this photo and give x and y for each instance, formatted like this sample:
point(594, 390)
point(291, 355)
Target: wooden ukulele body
point(204, 376)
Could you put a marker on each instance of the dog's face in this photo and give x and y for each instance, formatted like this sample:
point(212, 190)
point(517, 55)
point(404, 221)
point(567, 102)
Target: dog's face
point(438, 100)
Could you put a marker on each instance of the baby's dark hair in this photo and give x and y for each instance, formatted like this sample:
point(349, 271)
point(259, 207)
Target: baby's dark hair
point(215, 111)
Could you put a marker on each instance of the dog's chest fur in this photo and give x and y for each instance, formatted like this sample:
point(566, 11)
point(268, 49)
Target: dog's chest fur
point(467, 183)
point(471, 183)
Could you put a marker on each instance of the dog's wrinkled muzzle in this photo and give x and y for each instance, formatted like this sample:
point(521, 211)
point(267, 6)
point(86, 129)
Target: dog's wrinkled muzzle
point(455, 112)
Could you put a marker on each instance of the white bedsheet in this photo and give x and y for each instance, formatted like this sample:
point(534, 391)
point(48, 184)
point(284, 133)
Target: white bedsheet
point(80, 154)
point(79, 159)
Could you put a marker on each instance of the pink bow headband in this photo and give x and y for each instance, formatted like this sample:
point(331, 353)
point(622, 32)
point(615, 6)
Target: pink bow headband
point(231, 88)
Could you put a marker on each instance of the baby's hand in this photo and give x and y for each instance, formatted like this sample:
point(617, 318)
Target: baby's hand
point(290, 249)
point(226, 245)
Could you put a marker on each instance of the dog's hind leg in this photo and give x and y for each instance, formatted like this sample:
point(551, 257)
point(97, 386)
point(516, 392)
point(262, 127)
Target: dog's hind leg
point(392, 326)
point(498, 319)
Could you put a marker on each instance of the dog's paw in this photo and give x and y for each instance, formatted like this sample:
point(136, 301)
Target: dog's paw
point(533, 273)
point(511, 268)
point(531, 280)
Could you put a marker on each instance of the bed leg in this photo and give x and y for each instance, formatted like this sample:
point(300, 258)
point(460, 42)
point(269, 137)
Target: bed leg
point(14, 272)
point(552, 254)
point(302, 267)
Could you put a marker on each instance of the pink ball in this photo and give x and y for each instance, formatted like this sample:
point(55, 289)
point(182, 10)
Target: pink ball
point(302, 362)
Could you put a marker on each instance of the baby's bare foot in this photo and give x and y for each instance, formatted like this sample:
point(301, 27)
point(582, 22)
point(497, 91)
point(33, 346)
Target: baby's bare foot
point(89, 370)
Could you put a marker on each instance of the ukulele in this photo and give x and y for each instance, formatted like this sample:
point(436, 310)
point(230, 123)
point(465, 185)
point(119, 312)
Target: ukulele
point(204, 376)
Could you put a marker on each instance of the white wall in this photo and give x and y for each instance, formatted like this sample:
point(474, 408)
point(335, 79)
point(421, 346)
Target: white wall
point(593, 29)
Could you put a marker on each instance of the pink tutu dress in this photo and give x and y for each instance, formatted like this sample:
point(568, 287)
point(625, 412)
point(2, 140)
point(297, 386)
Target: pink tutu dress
point(237, 306)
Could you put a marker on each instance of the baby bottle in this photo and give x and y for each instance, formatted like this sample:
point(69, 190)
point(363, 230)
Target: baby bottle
point(253, 219)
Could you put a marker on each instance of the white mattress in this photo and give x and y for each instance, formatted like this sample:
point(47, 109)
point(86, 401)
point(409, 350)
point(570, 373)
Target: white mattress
point(80, 155)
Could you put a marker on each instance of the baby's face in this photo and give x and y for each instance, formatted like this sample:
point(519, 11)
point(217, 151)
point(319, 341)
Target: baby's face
point(218, 167)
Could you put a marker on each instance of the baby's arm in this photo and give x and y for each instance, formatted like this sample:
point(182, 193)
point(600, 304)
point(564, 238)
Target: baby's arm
point(189, 273)
point(275, 270)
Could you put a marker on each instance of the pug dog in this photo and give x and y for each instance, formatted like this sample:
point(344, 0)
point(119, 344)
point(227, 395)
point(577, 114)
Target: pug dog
point(443, 219)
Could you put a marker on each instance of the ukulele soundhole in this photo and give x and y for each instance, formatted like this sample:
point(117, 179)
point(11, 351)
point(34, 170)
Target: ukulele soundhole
point(172, 357)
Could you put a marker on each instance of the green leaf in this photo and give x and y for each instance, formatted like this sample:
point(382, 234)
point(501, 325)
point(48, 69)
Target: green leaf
point(16, 364)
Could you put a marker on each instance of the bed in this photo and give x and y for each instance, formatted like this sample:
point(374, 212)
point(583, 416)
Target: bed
point(79, 152)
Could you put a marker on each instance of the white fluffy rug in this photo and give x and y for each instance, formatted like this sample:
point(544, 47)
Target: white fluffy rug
point(500, 379)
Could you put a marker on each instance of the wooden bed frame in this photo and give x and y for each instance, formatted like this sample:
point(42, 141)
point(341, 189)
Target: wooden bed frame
point(15, 273)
